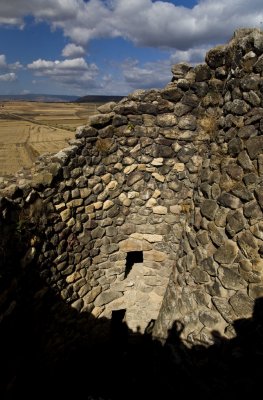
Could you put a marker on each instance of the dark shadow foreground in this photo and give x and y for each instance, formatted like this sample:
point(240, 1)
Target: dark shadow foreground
point(49, 350)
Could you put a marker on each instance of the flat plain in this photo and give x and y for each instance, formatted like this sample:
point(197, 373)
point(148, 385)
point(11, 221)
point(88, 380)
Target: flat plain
point(29, 129)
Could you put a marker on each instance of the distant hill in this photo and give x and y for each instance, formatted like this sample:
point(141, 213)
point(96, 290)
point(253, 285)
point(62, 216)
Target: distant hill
point(49, 98)
point(46, 98)
point(98, 99)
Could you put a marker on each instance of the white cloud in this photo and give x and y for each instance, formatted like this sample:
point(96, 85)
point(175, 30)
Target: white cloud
point(9, 77)
point(72, 50)
point(3, 64)
point(186, 33)
point(15, 66)
point(157, 74)
point(76, 72)
point(132, 74)
point(13, 12)
point(149, 75)
point(144, 22)
point(57, 67)
point(5, 70)
point(192, 56)
point(163, 24)
point(11, 21)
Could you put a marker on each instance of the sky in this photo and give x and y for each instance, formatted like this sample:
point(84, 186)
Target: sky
point(110, 47)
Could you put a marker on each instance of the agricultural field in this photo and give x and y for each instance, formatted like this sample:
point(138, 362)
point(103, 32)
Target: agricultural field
point(29, 129)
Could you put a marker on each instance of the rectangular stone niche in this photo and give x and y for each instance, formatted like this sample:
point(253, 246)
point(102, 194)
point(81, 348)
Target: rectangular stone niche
point(133, 257)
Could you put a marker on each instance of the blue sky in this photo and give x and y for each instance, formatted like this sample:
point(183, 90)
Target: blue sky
point(80, 47)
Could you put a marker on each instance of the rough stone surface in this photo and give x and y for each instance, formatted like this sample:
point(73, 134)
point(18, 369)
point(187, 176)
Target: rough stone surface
point(226, 253)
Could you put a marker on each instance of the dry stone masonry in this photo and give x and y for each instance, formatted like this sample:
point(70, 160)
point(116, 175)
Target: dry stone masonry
point(156, 206)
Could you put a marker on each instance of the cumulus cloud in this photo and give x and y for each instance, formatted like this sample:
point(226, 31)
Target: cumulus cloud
point(144, 22)
point(3, 63)
point(72, 50)
point(74, 65)
point(15, 66)
point(76, 72)
point(157, 74)
point(191, 56)
point(149, 75)
point(5, 66)
point(13, 12)
point(9, 77)
point(5, 69)
point(187, 33)
point(162, 24)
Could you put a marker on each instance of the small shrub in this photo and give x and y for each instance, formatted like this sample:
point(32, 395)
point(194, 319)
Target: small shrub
point(186, 208)
point(209, 122)
point(31, 220)
point(130, 127)
point(104, 145)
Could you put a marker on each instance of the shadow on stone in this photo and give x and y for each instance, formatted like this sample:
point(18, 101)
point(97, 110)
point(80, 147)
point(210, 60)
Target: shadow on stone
point(49, 349)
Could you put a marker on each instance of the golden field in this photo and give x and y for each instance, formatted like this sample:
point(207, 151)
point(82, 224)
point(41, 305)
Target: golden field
point(29, 129)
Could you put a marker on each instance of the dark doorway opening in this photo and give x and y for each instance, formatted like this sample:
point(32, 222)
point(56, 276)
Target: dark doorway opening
point(132, 258)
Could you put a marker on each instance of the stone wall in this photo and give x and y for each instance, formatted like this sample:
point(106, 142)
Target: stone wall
point(218, 273)
point(155, 207)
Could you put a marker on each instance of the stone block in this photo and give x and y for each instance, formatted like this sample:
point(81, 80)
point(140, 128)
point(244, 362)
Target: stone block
point(106, 297)
point(242, 304)
point(230, 279)
point(209, 208)
point(134, 245)
point(227, 253)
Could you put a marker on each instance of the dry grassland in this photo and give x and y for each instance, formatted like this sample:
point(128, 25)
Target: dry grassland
point(29, 129)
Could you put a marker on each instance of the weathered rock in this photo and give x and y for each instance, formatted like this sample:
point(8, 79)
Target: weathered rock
point(216, 57)
point(248, 245)
point(255, 290)
point(235, 223)
point(200, 276)
point(230, 279)
point(106, 297)
point(187, 122)
point(241, 191)
point(242, 305)
point(224, 309)
point(134, 177)
point(100, 120)
point(254, 146)
point(245, 161)
point(228, 200)
point(209, 318)
point(259, 196)
point(227, 253)
point(209, 209)
point(237, 107)
point(210, 266)
point(134, 245)
point(252, 210)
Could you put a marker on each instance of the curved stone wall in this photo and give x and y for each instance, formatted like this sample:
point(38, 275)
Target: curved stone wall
point(127, 192)
point(218, 273)
point(155, 208)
